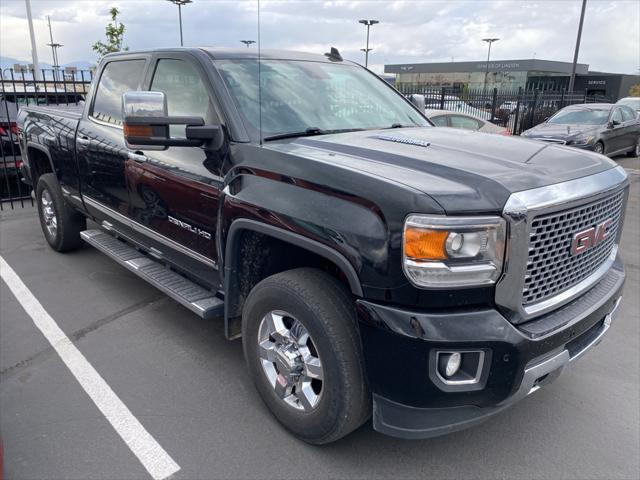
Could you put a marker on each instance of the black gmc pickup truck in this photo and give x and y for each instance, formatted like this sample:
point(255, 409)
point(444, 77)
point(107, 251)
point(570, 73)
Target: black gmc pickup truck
point(373, 265)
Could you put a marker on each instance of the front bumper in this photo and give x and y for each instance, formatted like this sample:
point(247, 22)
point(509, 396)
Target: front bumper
point(397, 344)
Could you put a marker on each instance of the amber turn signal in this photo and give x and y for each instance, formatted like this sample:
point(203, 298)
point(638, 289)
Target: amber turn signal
point(137, 130)
point(423, 244)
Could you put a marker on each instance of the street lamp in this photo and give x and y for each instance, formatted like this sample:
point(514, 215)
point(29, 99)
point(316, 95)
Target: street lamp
point(486, 73)
point(180, 3)
point(247, 42)
point(366, 51)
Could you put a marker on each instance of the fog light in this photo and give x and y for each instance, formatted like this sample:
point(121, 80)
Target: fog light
point(453, 364)
point(461, 368)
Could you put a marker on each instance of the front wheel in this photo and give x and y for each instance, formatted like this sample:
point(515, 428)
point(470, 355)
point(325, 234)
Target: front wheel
point(599, 148)
point(303, 352)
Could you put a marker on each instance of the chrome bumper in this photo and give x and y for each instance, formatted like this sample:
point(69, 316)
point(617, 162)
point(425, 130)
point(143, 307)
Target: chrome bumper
point(543, 372)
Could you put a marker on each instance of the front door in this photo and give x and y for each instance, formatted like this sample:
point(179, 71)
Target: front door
point(616, 133)
point(174, 193)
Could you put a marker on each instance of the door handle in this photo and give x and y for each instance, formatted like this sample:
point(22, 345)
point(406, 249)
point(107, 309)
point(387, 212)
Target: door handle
point(83, 141)
point(137, 157)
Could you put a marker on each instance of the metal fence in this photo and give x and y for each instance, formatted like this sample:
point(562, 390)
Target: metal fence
point(19, 88)
point(516, 110)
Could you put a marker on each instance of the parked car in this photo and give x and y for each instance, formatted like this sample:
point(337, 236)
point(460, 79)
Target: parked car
point(631, 102)
point(10, 160)
point(447, 118)
point(457, 106)
point(602, 127)
point(372, 263)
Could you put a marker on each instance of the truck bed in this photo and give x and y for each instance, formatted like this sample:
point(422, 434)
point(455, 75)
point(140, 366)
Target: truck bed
point(72, 111)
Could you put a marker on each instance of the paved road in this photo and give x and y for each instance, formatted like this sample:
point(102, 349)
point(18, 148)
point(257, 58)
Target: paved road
point(188, 387)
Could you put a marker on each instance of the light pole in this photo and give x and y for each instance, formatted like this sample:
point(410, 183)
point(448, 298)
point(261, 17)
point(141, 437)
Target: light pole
point(180, 3)
point(572, 79)
point(486, 73)
point(54, 50)
point(247, 42)
point(37, 75)
point(366, 50)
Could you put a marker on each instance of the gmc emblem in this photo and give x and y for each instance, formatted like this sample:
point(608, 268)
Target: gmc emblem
point(586, 239)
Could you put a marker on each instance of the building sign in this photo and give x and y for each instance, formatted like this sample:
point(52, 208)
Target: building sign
point(498, 66)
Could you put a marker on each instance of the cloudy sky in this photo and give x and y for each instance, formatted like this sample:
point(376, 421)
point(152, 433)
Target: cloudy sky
point(409, 31)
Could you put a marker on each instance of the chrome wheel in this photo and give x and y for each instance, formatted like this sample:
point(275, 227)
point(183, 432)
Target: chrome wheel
point(290, 360)
point(49, 214)
point(598, 148)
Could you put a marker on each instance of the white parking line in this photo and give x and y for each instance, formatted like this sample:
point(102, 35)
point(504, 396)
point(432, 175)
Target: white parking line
point(152, 456)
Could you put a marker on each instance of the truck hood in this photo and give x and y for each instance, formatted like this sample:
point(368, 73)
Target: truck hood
point(463, 171)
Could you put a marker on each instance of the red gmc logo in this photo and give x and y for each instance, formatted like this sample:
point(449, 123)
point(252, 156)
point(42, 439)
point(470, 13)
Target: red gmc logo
point(583, 241)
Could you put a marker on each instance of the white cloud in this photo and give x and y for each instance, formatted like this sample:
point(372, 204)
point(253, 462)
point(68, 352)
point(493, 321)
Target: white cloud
point(410, 31)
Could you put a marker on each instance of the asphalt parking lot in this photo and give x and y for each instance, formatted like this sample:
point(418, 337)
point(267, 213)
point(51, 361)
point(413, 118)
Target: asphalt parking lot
point(188, 387)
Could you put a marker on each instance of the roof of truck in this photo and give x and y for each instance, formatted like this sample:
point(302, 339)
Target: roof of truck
point(221, 53)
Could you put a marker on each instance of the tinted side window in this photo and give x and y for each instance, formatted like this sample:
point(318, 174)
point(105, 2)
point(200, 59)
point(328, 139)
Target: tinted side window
point(627, 114)
point(440, 120)
point(117, 77)
point(185, 91)
point(458, 121)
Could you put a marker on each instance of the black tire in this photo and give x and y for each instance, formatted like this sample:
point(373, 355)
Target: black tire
point(327, 311)
point(599, 148)
point(69, 223)
point(635, 152)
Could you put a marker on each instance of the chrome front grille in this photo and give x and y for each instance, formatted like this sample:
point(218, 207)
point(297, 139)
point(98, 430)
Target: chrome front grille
point(552, 140)
point(551, 268)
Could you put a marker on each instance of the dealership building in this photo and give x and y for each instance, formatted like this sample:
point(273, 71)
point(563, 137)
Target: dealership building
point(511, 74)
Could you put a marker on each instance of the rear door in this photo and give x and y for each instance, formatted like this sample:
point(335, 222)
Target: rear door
point(174, 193)
point(631, 127)
point(100, 148)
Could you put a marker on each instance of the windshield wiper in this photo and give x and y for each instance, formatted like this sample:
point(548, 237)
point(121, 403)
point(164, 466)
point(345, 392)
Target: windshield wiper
point(309, 132)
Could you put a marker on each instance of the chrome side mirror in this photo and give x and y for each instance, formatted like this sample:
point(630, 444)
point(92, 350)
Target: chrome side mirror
point(138, 110)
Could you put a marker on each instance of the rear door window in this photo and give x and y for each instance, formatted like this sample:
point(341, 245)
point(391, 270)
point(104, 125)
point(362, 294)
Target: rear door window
point(440, 121)
point(467, 123)
point(117, 77)
point(627, 114)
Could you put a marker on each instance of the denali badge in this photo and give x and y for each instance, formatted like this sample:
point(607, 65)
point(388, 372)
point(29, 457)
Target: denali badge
point(584, 240)
point(191, 228)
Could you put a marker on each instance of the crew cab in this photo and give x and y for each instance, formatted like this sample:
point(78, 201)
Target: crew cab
point(372, 264)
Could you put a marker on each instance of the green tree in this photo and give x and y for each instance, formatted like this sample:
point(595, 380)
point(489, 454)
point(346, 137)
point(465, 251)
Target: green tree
point(634, 91)
point(114, 32)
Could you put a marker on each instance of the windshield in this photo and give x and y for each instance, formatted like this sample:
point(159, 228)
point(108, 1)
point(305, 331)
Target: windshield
point(583, 117)
point(299, 96)
point(631, 102)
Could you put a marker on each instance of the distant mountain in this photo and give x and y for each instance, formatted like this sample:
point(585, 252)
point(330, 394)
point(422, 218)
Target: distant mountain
point(9, 62)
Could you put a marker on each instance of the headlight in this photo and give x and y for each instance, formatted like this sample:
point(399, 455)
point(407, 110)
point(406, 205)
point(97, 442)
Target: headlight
point(445, 252)
point(584, 140)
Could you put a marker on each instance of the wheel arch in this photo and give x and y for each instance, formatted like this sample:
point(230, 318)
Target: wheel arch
point(236, 290)
point(40, 162)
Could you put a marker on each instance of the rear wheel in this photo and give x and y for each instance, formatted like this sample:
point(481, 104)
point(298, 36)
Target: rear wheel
point(60, 223)
point(599, 148)
point(636, 150)
point(303, 352)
